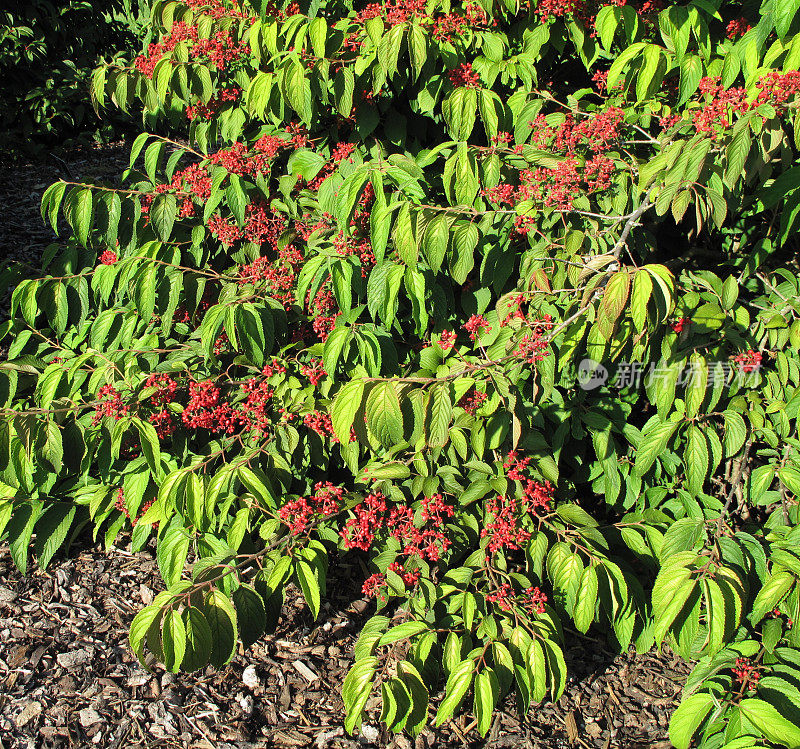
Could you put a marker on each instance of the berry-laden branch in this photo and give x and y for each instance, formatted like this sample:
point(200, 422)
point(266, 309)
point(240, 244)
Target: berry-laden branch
point(321, 327)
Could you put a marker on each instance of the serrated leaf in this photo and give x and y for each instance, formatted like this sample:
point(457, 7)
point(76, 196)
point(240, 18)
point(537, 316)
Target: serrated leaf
point(221, 617)
point(687, 718)
point(198, 640)
point(457, 685)
point(307, 579)
point(250, 614)
point(384, 418)
point(440, 416)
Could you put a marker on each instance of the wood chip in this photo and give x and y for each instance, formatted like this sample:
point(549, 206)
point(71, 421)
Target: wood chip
point(304, 671)
point(29, 712)
point(572, 726)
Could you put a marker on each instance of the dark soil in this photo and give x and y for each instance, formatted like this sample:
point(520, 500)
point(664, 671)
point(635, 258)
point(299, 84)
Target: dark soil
point(68, 678)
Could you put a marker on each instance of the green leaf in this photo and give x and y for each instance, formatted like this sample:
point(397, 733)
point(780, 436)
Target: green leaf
point(221, 618)
point(403, 631)
point(583, 613)
point(434, 242)
point(345, 406)
point(462, 257)
point(687, 718)
point(198, 639)
point(171, 554)
point(83, 215)
point(457, 685)
point(140, 626)
point(52, 529)
point(606, 23)
point(51, 202)
point(305, 163)
point(258, 484)
point(695, 458)
point(735, 433)
point(771, 594)
point(653, 443)
point(621, 62)
point(317, 33)
point(441, 414)
point(19, 531)
point(783, 13)
point(418, 715)
point(487, 693)
point(334, 345)
point(356, 690)
point(640, 296)
point(736, 154)
point(150, 446)
point(403, 236)
point(666, 614)
point(697, 373)
point(613, 303)
point(173, 640)
point(250, 614)
point(343, 88)
point(691, 73)
point(770, 722)
point(384, 418)
point(307, 579)
point(163, 213)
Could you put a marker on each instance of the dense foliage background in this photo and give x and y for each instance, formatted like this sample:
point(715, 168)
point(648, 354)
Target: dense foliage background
point(47, 53)
point(502, 297)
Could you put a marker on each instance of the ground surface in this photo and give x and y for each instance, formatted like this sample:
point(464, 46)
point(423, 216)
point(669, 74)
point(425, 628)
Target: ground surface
point(67, 677)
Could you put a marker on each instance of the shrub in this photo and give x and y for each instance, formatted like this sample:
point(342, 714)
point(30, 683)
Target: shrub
point(47, 51)
point(372, 306)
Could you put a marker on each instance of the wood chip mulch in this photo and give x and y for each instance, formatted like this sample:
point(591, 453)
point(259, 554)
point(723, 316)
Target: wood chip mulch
point(68, 678)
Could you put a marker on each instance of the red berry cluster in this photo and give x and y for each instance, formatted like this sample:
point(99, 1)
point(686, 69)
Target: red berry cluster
point(749, 361)
point(320, 423)
point(359, 531)
point(471, 402)
point(109, 403)
point(444, 27)
point(532, 347)
point(597, 132)
point(324, 311)
point(210, 109)
point(476, 325)
point(220, 49)
point(737, 27)
point(464, 76)
point(586, 10)
point(503, 531)
point(446, 339)
point(374, 516)
point(506, 513)
point(315, 371)
point(532, 599)
point(374, 583)
point(715, 116)
point(119, 504)
point(584, 169)
point(347, 245)
point(746, 674)
point(217, 8)
point(108, 257)
point(301, 513)
point(679, 325)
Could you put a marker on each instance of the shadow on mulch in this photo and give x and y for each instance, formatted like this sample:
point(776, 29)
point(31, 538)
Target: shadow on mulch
point(68, 678)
